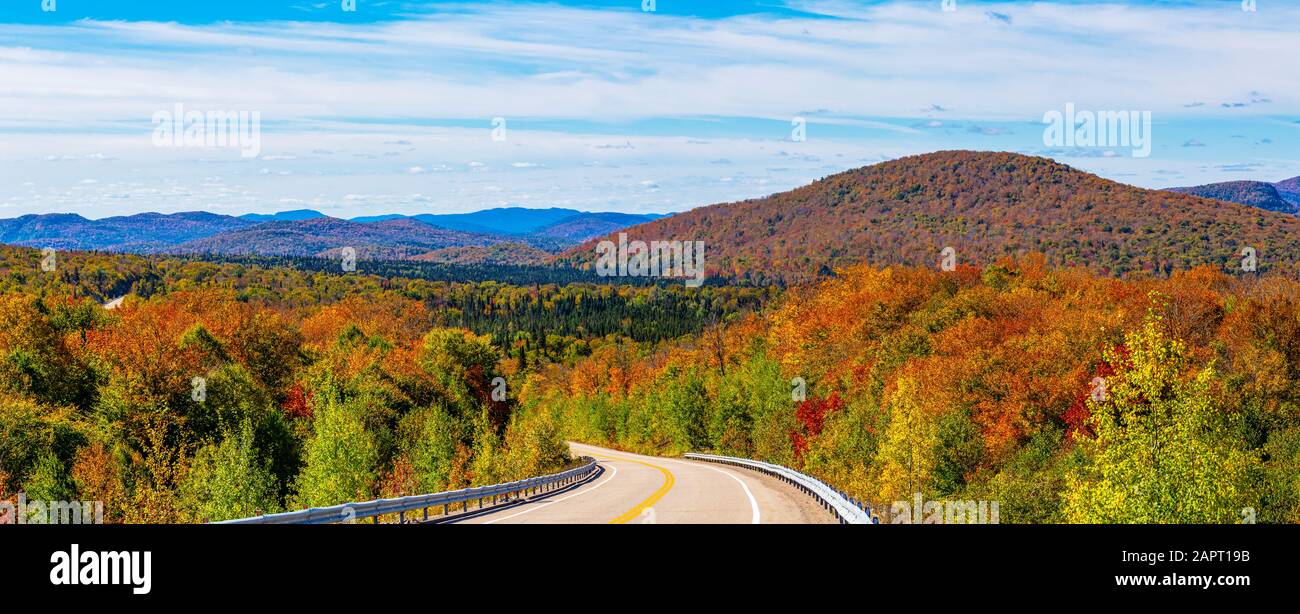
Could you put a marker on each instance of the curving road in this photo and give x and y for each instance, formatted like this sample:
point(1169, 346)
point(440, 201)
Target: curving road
point(631, 488)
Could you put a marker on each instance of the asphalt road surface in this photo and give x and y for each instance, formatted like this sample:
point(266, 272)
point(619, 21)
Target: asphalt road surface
point(631, 488)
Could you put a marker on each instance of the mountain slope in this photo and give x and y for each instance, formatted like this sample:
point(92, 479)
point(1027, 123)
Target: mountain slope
point(588, 225)
point(504, 220)
point(982, 204)
point(1290, 190)
point(297, 215)
point(144, 232)
point(393, 239)
point(306, 231)
point(499, 253)
point(1256, 194)
point(553, 222)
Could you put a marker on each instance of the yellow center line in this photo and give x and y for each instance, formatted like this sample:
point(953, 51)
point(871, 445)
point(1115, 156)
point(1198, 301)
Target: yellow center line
point(669, 480)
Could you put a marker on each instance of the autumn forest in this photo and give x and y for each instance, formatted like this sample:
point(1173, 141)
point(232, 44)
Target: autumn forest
point(227, 387)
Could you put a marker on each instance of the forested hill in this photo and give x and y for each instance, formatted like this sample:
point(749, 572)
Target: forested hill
point(511, 236)
point(1289, 189)
point(982, 204)
point(1257, 194)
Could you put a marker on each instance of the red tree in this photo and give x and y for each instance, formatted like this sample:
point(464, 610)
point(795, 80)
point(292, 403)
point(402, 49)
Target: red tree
point(812, 414)
point(1076, 418)
point(297, 403)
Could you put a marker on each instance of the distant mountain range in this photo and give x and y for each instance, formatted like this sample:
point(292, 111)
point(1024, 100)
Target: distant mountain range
point(297, 215)
point(394, 239)
point(1289, 189)
point(144, 232)
point(1283, 196)
point(534, 233)
point(982, 204)
point(523, 221)
point(906, 211)
point(579, 228)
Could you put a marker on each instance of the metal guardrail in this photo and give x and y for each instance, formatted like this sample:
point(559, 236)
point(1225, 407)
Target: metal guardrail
point(447, 500)
point(846, 509)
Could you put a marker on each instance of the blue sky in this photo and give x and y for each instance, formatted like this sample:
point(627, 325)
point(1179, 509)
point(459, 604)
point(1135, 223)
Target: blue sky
point(608, 107)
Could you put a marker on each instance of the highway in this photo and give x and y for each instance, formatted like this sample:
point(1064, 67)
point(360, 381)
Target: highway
point(635, 489)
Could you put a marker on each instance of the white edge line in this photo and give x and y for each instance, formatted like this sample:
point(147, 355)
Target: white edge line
point(542, 504)
point(753, 504)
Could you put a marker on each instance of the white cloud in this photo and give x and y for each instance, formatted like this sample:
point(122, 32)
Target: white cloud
point(881, 60)
point(330, 96)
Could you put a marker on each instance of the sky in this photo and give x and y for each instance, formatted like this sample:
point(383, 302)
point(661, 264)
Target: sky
point(628, 105)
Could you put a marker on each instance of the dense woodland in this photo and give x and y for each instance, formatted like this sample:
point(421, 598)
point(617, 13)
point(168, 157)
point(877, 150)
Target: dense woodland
point(982, 384)
point(316, 388)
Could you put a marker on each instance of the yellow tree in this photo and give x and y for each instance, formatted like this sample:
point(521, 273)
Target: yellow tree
point(907, 454)
point(1164, 451)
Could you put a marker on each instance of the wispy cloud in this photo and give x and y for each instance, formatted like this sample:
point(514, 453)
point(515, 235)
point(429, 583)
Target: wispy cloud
point(393, 100)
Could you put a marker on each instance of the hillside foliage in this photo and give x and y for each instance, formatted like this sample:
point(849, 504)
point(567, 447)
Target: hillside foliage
point(220, 390)
point(982, 384)
point(984, 205)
